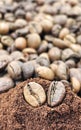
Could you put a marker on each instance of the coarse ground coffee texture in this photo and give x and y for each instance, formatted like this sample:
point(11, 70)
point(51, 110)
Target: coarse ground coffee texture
point(16, 114)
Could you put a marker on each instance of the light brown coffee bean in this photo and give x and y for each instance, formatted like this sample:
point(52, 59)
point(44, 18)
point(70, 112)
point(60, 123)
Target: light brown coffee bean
point(14, 70)
point(34, 94)
point(75, 47)
point(44, 55)
point(33, 40)
point(29, 51)
point(59, 43)
point(7, 40)
point(56, 93)
point(19, 23)
point(4, 28)
point(46, 25)
point(35, 27)
point(45, 72)
point(75, 85)
point(62, 70)
point(22, 31)
point(6, 83)
point(60, 19)
point(69, 39)
point(20, 43)
point(54, 54)
point(63, 33)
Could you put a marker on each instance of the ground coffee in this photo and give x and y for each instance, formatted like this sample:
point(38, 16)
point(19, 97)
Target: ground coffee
point(16, 114)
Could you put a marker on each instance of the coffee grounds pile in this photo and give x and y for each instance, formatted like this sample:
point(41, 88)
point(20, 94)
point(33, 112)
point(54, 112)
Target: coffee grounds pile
point(16, 114)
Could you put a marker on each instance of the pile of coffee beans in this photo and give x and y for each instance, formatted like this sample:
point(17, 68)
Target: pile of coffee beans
point(40, 38)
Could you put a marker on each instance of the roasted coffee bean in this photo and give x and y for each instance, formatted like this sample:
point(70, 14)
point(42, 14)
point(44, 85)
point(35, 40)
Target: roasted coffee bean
point(4, 28)
point(44, 55)
point(56, 30)
point(59, 43)
point(22, 31)
point(75, 85)
point(17, 55)
point(56, 93)
point(29, 51)
point(60, 19)
point(5, 84)
point(7, 40)
point(54, 54)
point(20, 13)
point(35, 27)
point(42, 61)
point(63, 33)
point(34, 94)
point(62, 70)
point(4, 60)
point(20, 43)
point(66, 53)
point(46, 25)
point(70, 63)
point(28, 69)
point(9, 17)
point(14, 70)
point(33, 40)
point(45, 72)
point(70, 40)
point(19, 23)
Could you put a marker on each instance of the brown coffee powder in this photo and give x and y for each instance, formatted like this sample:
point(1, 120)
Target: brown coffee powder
point(16, 114)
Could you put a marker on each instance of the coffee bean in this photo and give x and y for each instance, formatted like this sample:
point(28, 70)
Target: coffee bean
point(19, 23)
point(42, 61)
point(75, 85)
point(33, 40)
point(66, 53)
point(6, 83)
point(70, 63)
point(56, 30)
point(60, 19)
point(35, 27)
point(17, 55)
point(14, 70)
point(59, 43)
point(47, 25)
point(63, 33)
point(34, 94)
point(4, 60)
point(22, 32)
point(69, 40)
point(4, 28)
point(28, 69)
point(62, 70)
point(45, 72)
point(9, 17)
point(7, 40)
point(20, 43)
point(56, 93)
point(54, 54)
